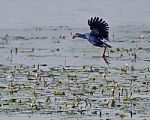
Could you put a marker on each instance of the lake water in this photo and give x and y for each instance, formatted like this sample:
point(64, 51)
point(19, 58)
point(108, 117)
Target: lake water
point(73, 13)
point(40, 43)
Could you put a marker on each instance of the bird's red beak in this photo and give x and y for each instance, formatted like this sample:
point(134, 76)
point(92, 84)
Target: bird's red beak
point(73, 35)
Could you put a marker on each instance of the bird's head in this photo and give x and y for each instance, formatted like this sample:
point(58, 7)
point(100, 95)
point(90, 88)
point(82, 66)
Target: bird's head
point(74, 35)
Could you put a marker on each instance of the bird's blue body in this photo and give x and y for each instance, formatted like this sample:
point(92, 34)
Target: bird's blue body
point(93, 39)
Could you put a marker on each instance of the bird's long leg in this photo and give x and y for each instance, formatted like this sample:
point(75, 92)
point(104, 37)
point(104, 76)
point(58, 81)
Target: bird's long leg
point(104, 51)
point(105, 57)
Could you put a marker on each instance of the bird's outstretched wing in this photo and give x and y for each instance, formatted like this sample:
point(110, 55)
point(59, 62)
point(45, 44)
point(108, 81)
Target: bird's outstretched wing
point(99, 27)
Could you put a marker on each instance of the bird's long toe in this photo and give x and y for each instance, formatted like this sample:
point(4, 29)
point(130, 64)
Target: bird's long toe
point(106, 60)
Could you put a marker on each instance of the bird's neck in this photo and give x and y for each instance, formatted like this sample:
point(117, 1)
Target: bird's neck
point(81, 35)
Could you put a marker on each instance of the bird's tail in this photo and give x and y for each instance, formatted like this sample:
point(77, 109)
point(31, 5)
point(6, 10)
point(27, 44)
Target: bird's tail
point(105, 44)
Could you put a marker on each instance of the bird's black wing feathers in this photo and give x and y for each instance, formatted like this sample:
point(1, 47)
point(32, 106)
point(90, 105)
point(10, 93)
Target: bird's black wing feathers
point(99, 27)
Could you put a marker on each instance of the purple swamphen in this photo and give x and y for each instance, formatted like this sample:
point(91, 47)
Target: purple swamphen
point(99, 32)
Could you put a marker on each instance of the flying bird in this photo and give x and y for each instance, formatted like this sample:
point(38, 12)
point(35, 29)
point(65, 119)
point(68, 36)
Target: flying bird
point(97, 36)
